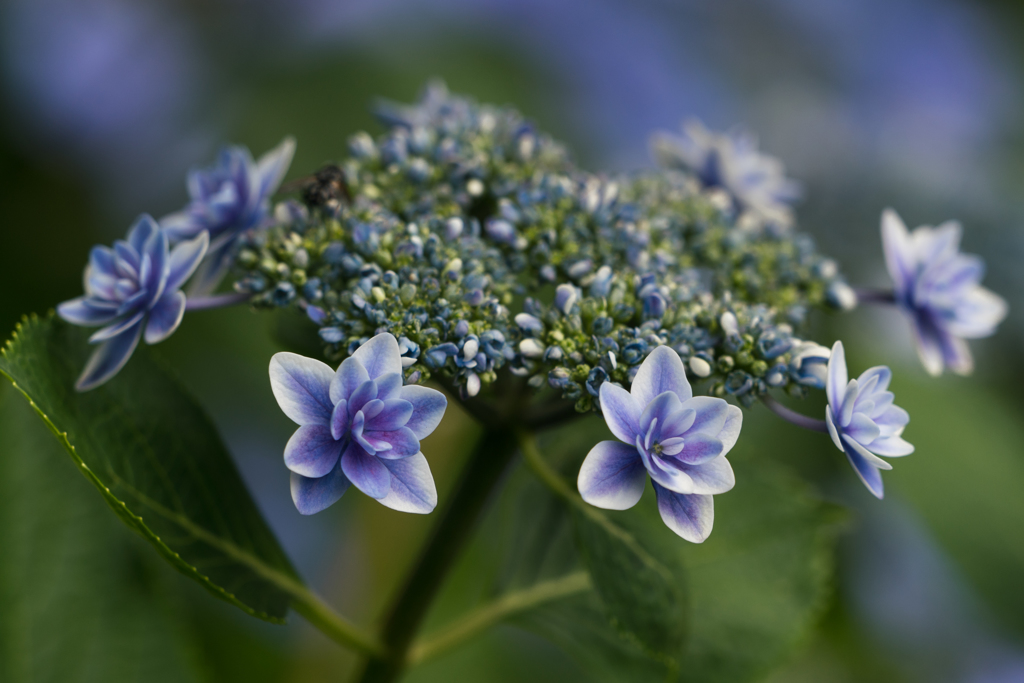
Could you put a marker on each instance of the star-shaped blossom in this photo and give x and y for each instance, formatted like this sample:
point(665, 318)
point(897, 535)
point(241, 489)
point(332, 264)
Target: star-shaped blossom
point(358, 425)
point(133, 291)
point(665, 431)
point(227, 199)
point(756, 182)
point(862, 419)
point(939, 289)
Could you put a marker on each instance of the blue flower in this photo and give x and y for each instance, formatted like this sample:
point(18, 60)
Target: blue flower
point(808, 363)
point(359, 426)
point(679, 439)
point(755, 181)
point(938, 288)
point(132, 290)
point(862, 419)
point(227, 199)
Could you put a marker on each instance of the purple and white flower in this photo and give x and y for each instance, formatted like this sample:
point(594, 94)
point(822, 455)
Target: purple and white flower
point(862, 419)
point(358, 425)
point(755, 181)
point(227, 199)
point(132, 290)
point(939, 289)
point(665, 431)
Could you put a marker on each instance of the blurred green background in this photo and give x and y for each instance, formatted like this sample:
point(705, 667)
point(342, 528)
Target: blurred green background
point(916, 105)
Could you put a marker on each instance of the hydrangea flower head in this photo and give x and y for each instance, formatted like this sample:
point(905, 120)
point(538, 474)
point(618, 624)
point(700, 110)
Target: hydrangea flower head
point(357, 425)
point(665, 431)
point(755, 181)
point(132, 290)
point(939, 289)
point(227, 199)
point(862, 419)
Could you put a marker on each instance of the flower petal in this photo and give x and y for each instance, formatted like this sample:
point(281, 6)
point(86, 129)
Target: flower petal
point(621, 412)
point(711, 415)
point(389, 386)
point(79, 312)
point(365, 471)
point(300, 386)
point(394, 413)
point(339, 419)
point(350, 376)
point(380, 355)
point(668, 472)
point(612, 476)
point(731, 430)
point(899, 257)
point(891, 446)
point(185, 258)
point(713, 476)
point(926, 341)
point(665, 407)
point(428, 406)
point(412, 485)
point(402, 441)
point(832, 429)
point(700, 448)
point(864, 453)
point(837, 378)
point(165, 317)
point(689, 516)
point(862, 429)
point(116, 328)
point(661, 371)
point(312, 451)
point(867, 472)
point(109, 358)
point(313, 495)
point(273, 166)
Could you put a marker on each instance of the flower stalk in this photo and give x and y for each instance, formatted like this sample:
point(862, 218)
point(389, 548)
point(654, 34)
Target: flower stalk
point(493, 452)
point(504, 607)
point(204, 303)
point(794, 417)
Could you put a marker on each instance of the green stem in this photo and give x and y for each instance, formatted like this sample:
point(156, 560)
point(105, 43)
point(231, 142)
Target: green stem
point(487, 463)
point(508, 605)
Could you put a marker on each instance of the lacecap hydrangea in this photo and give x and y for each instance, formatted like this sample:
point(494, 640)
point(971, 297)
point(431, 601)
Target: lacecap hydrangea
point(473, 238)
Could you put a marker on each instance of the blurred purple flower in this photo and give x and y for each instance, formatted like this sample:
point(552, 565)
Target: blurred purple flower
point(756, 182)
point(862, 419)
point(358, 425)
point(939, 289)
point(227, 199)
point(132, 290)
point(679, 439)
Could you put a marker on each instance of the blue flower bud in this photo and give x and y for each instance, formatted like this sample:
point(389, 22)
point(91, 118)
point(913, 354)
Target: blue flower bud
point(332, 335)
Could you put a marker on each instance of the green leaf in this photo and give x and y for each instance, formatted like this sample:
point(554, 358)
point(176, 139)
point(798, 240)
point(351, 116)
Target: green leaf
point(755, 587)
point(640, 584)
point(80, 600)
point(159, 464)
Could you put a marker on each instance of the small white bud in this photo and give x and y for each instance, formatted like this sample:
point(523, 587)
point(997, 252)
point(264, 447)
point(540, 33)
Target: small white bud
point(700, 367)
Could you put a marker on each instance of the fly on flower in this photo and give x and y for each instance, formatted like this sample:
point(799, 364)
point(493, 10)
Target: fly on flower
point(664, 431)
point(132, 290)
point(357, 425)
point(940, 290)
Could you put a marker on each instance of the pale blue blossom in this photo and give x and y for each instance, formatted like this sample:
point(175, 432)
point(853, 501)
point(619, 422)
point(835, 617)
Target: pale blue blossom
point(939, 289)
point(357, 425)
point(679, 439)
point(755, 181)
point(862, 419)
point(133, 291)
point(227, 199)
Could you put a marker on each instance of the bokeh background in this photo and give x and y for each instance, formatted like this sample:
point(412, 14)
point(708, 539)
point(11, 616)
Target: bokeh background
point(914, 104)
